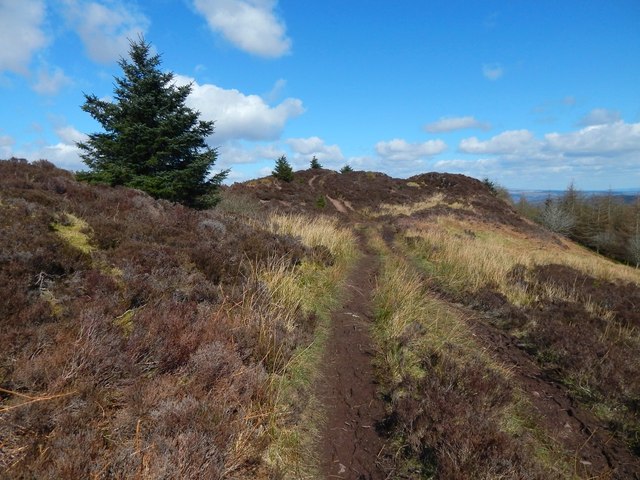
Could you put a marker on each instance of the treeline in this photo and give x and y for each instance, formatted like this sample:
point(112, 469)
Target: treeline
point(604, 223)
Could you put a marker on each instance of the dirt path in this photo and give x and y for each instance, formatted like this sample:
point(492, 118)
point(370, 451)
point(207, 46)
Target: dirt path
point(351, 448)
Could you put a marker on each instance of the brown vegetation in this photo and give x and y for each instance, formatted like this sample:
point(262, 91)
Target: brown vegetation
point(143, 339)
point(134, 338)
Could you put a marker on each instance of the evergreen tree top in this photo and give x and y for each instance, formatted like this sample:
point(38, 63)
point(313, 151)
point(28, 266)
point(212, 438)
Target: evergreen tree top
point(315, 163)
point(283, 170)
point(151, 139)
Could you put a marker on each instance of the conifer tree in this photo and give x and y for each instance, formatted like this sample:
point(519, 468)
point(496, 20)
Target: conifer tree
point(315, 163)
point(151, 140)
point(346, 169)
point(283, 170)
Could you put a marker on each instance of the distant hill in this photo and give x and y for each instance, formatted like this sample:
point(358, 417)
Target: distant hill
point(628, 195)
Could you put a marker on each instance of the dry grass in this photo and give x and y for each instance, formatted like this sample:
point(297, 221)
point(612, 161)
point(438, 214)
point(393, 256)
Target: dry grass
point(312, 288)
point(408, 209)
point(575, 311)
point(469, 255)
point(447, 395)
point(317, 230)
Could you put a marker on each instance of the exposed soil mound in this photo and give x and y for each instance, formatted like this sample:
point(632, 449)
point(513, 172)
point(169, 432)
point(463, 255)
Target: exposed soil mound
point(354, 190)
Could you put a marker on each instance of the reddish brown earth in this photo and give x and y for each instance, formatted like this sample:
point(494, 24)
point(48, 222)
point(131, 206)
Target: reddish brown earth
point(351, 447)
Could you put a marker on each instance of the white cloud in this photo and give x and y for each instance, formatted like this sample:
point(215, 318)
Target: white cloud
point(240, 116)
point(512, 141)
point(465, 165)
point(251, 25)
point(587, 155)
point(61, 154)
point(305, 148)
point(20, 33)
point(51, 82)
point(600, 116)
point(400, 150)
point(599, 140)
point(449, 124)
point(64, 153)
point(6, 144)
point(105, 29)
point(236, 153)
point(69, 134)
point(478, 168)
point(492, 71)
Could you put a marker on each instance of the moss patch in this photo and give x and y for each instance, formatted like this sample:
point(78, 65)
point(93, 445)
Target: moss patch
point(72, 230)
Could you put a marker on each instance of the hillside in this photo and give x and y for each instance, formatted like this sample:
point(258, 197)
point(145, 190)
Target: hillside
point(337, 326)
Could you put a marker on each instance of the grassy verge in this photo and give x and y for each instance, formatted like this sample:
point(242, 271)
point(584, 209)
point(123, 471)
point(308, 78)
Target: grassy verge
point(297, 294)
point(466, 255)
point(574, 308)
point(452, 410)
point(409, 209)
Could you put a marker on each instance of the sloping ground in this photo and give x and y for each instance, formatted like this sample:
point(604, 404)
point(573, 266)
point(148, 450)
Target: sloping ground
point(140, 338)
point(357, 193)
point(561, 319)
point(143, 339)
point(565, 334)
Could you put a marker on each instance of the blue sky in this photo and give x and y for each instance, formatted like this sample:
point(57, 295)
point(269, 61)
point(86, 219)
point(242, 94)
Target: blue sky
point(532, 94)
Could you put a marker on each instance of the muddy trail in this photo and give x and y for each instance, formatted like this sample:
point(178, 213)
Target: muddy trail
point(351, 447)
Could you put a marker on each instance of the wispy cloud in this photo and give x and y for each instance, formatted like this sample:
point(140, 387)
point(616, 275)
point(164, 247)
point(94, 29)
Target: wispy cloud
point(599, 116)
point(449, 124)
point(250, 25)
point(492, 71)
point(105, 29)
point(51, 81)
point(401, 150)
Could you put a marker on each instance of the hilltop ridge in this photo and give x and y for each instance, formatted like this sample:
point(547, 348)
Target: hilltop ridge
point(440, 332)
